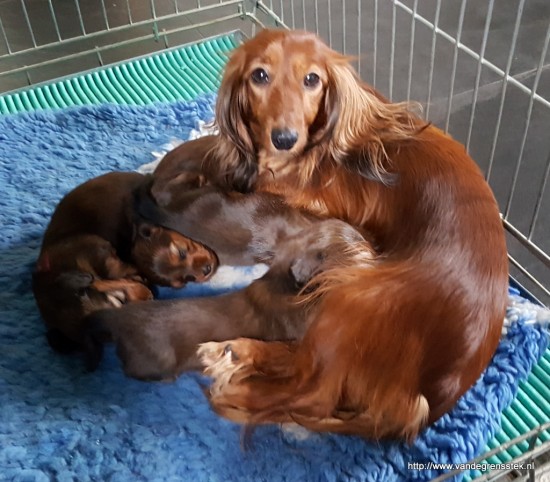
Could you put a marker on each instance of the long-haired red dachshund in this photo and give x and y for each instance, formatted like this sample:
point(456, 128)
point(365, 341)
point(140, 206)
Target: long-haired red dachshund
point(394, 346)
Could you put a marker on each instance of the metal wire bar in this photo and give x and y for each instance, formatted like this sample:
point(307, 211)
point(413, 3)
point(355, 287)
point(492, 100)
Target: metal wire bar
point(473, 54)
point(304, 14)
point(130, 20)
point(455, 61)
point(153, 10)
point(270, 13)
point(539, 200)
point(432, 57)
point(177, 7)
point(5, 37)
point(478, 71)
point(293, 18)
point(54, 18)
point(122, 28)
point(80, 19)
point(392, 49)
point(105, 17)
point(344, 26)
point(358, 36)
point(27, 19)
point(375, 43)
point(532, 247)
point(504, 86)
point(527, 123)
point(98, 50)
point(283, 11)
point(528, 275)
point(411, 50)
point(316, 18)
point(329, 24)
point(253, 16)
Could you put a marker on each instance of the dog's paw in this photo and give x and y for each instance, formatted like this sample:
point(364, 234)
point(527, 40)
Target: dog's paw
point(116, 298)
point(136, 291)
point(226, 362)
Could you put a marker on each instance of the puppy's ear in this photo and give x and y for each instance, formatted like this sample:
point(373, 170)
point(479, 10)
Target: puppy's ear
point(145, 230)
point(232, 159)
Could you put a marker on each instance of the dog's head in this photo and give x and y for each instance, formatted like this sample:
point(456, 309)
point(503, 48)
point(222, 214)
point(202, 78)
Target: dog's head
point(168, 258)
point(274, 102)
point(283, 94)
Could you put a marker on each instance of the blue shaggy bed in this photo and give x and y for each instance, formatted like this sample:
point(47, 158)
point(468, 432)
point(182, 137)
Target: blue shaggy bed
point(59, 423)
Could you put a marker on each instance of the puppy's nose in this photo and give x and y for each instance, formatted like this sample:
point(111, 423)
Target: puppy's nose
point(283, 140)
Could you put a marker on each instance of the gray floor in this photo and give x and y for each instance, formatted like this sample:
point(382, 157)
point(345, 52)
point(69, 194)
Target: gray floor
point(351, 27)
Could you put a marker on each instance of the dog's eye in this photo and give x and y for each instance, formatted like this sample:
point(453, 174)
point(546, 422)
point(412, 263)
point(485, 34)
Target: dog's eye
point(311, 79)
point(183, 254)
point(260, 76)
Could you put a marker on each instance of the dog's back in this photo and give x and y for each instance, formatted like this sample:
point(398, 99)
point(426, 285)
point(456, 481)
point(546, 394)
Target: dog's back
point(101, 206)
point(241, 229)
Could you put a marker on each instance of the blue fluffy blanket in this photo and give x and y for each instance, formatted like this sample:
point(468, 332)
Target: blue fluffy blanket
point(59, 423)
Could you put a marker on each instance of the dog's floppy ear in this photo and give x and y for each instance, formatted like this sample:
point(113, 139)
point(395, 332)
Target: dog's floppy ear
point(322, 128)
point(366, 123)
point(232, 159)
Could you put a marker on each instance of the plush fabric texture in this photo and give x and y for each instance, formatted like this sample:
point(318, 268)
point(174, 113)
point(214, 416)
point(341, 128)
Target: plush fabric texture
point(59, 423)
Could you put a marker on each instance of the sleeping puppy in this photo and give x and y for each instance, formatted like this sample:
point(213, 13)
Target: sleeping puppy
point(181, 167)
point(157, 340)
point(241, 229)
point(96, 254)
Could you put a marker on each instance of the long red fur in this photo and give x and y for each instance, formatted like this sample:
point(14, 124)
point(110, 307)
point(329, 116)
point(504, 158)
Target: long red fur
point(394, 346)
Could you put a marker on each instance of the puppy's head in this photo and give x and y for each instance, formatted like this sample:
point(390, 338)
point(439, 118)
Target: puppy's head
point(168, 258)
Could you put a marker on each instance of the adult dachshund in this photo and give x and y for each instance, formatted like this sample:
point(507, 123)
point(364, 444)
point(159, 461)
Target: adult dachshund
point(394, 346)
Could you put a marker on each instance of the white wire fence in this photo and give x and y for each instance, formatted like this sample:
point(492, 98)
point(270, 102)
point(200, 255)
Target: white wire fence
point(480, 67)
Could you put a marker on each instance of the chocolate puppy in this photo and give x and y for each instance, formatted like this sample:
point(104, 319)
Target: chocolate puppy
point(181, 168)
point(243, 229)
point(97, 254)
point(157, 340)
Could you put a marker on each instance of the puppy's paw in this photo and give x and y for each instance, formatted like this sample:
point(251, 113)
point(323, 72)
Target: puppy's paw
point(137, 292)
point(116, 298)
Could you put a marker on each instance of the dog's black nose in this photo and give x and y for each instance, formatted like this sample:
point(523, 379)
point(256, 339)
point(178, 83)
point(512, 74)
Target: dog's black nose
point(283, 140)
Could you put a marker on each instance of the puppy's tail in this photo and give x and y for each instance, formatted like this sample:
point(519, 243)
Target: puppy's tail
point(97, 332)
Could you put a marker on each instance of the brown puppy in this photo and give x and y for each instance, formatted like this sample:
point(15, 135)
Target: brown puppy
point(182, 166)
point(157, 340)
point(241, 229)
point(393, 347)
point(95, 255)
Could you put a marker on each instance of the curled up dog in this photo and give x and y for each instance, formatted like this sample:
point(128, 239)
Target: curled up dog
point(295, 120)
point(97, 254)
